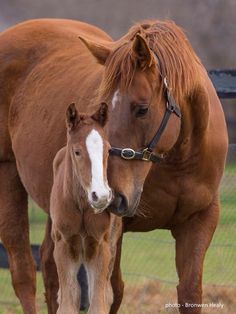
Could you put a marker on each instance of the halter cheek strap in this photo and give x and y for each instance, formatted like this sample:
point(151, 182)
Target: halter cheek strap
point(147, 154)
point(171, 107)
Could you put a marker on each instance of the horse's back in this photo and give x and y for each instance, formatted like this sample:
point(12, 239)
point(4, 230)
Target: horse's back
point(24, 45)
point(33, 32)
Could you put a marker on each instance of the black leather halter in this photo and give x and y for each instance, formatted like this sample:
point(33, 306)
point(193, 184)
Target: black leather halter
point(147, 153)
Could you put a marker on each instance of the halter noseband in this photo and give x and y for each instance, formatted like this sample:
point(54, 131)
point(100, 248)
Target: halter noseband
point(147, 153)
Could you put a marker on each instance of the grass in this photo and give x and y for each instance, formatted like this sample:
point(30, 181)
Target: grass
point(151, 256)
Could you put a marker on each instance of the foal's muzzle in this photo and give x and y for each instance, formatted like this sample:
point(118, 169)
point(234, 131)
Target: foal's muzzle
point(101, 203)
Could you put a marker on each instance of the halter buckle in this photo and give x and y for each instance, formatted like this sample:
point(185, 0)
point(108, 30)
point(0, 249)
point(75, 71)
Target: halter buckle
point(146, 154)
point(127, 153)
point(169, 106)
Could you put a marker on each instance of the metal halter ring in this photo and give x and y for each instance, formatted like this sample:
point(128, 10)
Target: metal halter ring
point(147, 154)
point(127, 153)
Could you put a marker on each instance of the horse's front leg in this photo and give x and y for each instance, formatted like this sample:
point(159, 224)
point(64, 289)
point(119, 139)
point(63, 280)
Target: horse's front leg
point(67, 259)
point(49, 270)
point(116, 280)
point(192, 240)
point(99, 267)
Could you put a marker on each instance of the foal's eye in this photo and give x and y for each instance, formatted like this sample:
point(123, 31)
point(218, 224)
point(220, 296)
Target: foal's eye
point(77, 152)
point(141, 111)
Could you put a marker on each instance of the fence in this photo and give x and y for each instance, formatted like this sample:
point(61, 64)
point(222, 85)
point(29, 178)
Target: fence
point(148, 258)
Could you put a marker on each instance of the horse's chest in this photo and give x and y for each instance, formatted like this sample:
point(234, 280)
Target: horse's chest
point(197, 196)
point(94, 230)
point(97, 229)
point(164, 205)
point(95, 226)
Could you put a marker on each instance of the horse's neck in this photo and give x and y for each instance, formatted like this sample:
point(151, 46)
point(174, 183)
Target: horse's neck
point(72, 187)
point(194, 126)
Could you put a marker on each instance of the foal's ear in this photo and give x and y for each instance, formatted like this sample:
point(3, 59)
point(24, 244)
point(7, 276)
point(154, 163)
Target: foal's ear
point(142, 51)
point(71, 117)
point(99, 51)
point(101, 115)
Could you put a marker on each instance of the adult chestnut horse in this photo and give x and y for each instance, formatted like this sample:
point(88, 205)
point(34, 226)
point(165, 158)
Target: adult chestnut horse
point(163, 107)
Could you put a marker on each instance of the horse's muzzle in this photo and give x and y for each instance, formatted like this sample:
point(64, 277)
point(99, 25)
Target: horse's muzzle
point(119, 206)
point(100, 204)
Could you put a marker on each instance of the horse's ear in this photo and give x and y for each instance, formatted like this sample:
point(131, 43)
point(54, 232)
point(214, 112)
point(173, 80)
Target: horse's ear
point(100, 52)
point(142, 51)
point(101, 115)
point(72, 118)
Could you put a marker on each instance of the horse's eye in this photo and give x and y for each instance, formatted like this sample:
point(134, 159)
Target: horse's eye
point(141, 111)
point(77, 152)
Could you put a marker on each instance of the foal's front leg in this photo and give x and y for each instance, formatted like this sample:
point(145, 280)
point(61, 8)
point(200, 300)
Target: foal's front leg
point(67, 259)
point(99, 268)
point(192, 240)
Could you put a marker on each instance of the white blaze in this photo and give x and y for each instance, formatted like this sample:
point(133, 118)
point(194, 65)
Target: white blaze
point(116, 98)
point(94, 144)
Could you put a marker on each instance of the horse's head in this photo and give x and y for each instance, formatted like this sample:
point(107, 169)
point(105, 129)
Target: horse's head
point(89, 150)
point(139, 85)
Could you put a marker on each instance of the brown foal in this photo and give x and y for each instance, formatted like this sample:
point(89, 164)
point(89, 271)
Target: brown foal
point(81, 230)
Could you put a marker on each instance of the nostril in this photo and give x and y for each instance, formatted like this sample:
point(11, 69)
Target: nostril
point(119, 205)
point(123, 203)
point(94, 196)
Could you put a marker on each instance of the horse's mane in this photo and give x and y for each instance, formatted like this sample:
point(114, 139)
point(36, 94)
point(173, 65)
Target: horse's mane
point(178, 60)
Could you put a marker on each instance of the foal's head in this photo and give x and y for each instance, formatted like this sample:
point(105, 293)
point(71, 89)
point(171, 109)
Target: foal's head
point(88, 148)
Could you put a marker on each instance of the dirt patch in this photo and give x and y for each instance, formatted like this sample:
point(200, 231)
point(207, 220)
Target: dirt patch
point(152, 297)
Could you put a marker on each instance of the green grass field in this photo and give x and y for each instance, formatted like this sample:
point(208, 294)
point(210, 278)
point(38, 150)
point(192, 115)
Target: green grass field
point(149, 257)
